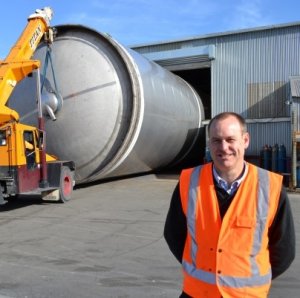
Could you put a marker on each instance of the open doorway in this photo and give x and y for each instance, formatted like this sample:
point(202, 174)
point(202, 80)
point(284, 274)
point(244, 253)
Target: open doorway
point(200, 79)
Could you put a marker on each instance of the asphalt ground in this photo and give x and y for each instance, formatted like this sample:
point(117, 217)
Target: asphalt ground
point(106, 242)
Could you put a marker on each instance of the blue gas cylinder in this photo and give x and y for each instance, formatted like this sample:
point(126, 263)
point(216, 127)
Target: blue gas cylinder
point(261, 157)
point(207, 157)
point(275, 152)
point(267, 157)
point(298, 176)
point(282, 159)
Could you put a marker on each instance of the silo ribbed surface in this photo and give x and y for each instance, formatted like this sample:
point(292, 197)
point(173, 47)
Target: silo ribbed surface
point(121, 114)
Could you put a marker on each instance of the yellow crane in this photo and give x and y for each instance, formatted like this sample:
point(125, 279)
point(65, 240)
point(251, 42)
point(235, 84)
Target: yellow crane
point(25, 168)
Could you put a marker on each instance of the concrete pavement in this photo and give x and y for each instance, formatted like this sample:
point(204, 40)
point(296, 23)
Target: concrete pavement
point(288, 284)
point(106, 242)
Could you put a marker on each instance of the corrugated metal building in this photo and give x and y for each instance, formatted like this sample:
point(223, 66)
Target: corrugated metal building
point(252, 72)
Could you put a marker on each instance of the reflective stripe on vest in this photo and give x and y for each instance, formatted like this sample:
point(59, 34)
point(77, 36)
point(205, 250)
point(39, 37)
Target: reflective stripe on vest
point(261, 214)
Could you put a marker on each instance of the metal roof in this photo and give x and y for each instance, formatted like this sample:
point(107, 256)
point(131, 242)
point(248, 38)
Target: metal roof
point(218, 34)
point(174, 57)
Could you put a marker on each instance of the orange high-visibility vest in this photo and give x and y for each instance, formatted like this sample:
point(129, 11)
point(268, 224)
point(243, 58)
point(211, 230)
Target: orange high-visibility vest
point(229, 257)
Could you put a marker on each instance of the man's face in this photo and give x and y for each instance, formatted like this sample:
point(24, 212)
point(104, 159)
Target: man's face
point(227, 144)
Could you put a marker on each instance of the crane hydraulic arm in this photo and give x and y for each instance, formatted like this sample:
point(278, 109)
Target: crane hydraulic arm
point(25, 166)
point(17, 65)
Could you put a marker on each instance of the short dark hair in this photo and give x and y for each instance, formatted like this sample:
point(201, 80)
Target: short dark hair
point(225, 115)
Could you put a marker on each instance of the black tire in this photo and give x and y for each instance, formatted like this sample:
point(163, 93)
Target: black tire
point(66, 185)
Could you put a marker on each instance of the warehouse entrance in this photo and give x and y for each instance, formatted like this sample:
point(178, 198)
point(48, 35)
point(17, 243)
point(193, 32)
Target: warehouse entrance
point(200, 79)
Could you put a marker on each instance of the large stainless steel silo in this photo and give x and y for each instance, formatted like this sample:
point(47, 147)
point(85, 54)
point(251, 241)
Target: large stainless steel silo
point(118, 112)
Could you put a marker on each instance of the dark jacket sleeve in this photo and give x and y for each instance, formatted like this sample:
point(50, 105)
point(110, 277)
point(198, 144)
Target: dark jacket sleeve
point(175, 229)
point(282, 237)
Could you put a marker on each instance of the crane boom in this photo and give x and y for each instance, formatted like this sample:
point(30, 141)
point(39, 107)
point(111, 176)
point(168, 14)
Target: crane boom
point(18, 64)
point(25, 167)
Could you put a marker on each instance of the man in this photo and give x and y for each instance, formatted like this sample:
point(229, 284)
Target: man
point(230, 223)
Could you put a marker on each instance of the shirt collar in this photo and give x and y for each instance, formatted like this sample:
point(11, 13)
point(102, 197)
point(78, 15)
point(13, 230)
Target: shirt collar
point(230, 188)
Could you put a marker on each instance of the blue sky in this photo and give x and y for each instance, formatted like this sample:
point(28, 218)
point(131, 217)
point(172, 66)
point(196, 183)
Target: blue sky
point(133, 22)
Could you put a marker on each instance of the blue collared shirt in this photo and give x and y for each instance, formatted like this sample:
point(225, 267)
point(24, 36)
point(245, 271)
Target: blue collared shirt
point(230, 188)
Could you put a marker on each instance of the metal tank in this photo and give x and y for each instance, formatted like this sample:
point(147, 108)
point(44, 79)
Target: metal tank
point(116, 113)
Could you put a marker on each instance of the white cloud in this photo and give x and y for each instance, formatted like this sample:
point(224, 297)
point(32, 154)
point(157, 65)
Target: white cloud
point(136, 21)
point(139, 21)
point(248, 14)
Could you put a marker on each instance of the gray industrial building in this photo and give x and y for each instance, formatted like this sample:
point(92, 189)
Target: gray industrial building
point(153, 119)
point(253, 72)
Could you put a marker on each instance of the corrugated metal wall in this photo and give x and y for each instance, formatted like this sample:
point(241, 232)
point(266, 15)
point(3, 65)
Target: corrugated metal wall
point(250, 75)
point(269, 133)
point(251, 72)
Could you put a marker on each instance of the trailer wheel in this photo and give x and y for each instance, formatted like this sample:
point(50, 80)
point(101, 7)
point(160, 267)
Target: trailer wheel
point(66, 185)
